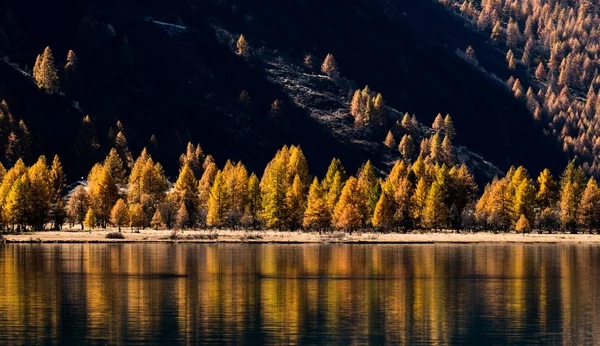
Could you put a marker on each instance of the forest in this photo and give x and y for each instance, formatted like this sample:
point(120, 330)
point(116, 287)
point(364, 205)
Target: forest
point(429, 192)
point(551, 52)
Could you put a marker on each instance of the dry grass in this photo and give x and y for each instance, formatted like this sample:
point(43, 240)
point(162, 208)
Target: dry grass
point(334, 236)
point(236, 236)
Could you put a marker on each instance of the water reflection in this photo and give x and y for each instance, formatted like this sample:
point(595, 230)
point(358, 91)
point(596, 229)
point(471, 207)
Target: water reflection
point(279, 294)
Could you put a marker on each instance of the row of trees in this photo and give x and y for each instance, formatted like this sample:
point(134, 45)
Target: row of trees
point(287, 197)
point(429, 192)
point(437, 148)
point(33, 196)
point(516, 202)
point(420, 195)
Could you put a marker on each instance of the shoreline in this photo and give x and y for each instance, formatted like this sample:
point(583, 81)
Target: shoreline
point(275, 237)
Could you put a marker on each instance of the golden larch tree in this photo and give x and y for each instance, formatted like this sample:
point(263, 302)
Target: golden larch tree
point(295, 204)
point(204, 186)
point(389, 141)
point(79, 203)
point(407, 147)
point(16, 204)
point(404, 204)
point(185, 191)
point(335, 191)
point(419, 200)
point(449, 127)
point(434, 213)
point(119, 214)
point(547, 190)
point(242, 46)
point(523, 225)
point(317, 215)
point(44, 72)
point(235, 180)
point(157, 220)
point(58, 184)
point(366, 182)
point(136, 216)
point(274, 185)
point(383, 217)
point(183, 218)
point(572, 185)
point(193, 157)
point(254, 205)
point(329, 66)
point(524, 201)
point(90, 220)
point(588, 216)
point(218, 202)
point(347, 213)
point(123, 150)
point(114, 164)
point(438, 123)
point(38, 194)
point(335, 167)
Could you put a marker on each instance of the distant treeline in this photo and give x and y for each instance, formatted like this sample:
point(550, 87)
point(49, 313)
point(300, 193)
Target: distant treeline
point(552, 52)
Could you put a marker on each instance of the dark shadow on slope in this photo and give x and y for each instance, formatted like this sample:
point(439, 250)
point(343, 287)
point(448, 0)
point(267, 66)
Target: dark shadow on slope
point(405, 49)
point(180, 86)
point(184, 86)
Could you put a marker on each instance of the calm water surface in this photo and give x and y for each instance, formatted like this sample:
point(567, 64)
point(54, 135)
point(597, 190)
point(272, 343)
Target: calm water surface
point(299, 294)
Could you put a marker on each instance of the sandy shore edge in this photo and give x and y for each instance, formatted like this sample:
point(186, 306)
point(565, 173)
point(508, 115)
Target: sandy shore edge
point(240, 236)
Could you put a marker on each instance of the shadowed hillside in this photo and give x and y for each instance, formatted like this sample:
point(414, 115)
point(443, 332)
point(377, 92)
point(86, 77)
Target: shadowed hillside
point(177, 77)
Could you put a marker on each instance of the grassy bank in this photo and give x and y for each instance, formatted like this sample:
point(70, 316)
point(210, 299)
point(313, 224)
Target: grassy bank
point(241, 236)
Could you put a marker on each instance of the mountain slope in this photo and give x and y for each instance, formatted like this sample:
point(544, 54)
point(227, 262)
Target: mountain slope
point(183, 84)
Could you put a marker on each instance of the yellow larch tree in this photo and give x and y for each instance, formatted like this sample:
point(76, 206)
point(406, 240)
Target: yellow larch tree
point(383, 217)
point(15, 206)
point(58, 184)
point(317, 215)
point(254, 205)
point(329, 66)
point(119, 214)
point(79, 203)
point(295, 204)
point(44, 72)
point(157, 220)
point(218, 202)
point(185, 191)
point(588, 216)
point(242, 46)
point(274, 185)
point(90, 220)
point(183, 217)
point(136, 216)
point(347, 213)
point(204, 186)
point(38, 195)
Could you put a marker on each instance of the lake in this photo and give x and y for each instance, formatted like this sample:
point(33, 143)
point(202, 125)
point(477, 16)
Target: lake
point(299, 294)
